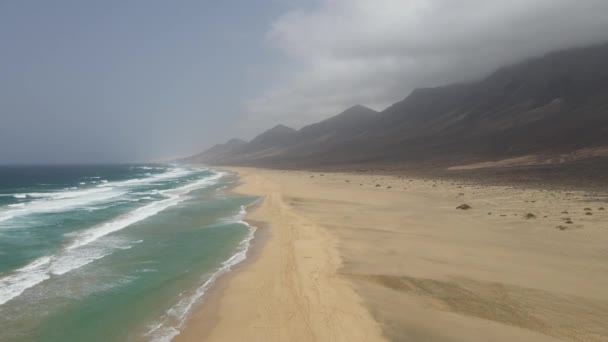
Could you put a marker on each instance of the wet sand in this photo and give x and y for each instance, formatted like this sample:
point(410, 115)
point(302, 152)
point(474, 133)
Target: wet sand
point(363, 257)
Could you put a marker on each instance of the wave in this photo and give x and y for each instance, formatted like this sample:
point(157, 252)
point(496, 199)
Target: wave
point(85, 248)
point(174, 319)
point(62, 201)
point(149, 168)
point(173, 173)
point(175, 197)
point(71, 198)
point(42, 269)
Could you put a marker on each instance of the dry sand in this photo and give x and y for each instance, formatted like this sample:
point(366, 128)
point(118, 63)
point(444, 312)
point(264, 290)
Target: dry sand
point(360, 257)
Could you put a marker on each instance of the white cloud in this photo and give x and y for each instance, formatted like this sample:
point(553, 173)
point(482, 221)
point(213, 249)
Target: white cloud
point(374, 52)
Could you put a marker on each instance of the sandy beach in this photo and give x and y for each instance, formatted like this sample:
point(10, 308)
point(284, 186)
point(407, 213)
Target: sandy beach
point(363, 257)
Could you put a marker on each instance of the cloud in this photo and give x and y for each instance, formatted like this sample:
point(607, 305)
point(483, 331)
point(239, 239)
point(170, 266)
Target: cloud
point(374, 52)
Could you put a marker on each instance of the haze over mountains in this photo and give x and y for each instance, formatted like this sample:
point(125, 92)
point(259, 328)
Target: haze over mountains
point(550, 105)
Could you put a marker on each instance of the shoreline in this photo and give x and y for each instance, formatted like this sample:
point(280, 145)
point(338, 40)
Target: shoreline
point(272, 295)
point(205, 314)
point(201, 291)
point(204, 311)
point(412, 266)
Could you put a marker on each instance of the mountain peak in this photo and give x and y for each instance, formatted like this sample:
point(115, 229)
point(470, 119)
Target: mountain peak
point(235, 141)
point(341, 126)
point(357, 107)
point(280, 128)
point(355, 112)
point(277, 134)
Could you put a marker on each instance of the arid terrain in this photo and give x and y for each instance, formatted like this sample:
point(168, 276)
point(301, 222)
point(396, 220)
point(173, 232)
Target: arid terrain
point(467, 212)
point(520, 264)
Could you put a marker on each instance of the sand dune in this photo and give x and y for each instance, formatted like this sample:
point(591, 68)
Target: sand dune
point(360, 257)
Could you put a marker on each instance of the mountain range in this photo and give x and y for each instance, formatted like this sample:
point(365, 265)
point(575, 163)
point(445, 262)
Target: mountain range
point(553, 105)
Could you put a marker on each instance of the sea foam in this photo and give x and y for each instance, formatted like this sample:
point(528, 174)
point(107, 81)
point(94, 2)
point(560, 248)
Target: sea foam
point(175, 196)
point(60, 201)
point(84, 249)
point(174, 319)
point(71, 198)
point(173, 173)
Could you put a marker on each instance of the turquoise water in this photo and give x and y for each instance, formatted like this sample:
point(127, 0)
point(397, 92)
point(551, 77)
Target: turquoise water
point(112, 253)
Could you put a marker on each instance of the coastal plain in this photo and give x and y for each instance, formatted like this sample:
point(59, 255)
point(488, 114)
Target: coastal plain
point(369, 257)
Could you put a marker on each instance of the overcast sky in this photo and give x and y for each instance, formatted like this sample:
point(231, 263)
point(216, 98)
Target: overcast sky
point(119, 81)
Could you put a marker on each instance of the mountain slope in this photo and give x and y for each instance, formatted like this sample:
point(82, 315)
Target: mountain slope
point(217, 152)
point(551, 104)
point(281, 141)
point(277, 135)
point(556, 102)
point(337, 130)
point(351, 121)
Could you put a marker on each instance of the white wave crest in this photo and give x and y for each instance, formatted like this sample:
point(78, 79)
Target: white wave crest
point(72, 198)
point(173, 173)
point(60, 201)
point(83, 250)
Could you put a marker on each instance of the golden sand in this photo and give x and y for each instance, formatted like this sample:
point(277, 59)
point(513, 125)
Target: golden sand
point(360, 257)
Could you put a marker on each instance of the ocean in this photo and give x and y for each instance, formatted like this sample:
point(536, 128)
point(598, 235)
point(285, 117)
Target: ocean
point(115, 252)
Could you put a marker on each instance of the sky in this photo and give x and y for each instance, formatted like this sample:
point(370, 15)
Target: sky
point(131, 81)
